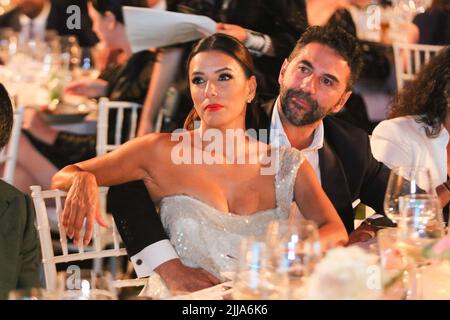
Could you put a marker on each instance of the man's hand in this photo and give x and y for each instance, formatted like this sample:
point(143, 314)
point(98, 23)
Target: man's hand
point(364, 233)
point(178, 277)
point(232, 30)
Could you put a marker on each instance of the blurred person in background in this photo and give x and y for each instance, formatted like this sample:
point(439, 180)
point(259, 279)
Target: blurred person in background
point(128, 80)
point(32, 18)
point(433, 26)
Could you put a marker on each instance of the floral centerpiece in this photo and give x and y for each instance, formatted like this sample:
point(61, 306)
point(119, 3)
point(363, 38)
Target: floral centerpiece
point(438, 250)
point(436, 283)
point(346, 273)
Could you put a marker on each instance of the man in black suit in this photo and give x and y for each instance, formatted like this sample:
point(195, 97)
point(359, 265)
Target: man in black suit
point(32, 18)
point(315, 81)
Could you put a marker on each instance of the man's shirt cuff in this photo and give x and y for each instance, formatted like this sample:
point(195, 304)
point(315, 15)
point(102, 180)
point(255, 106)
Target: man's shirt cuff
point(153, 256)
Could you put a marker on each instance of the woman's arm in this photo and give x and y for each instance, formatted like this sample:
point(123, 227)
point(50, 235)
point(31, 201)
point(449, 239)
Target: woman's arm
point(86, 87)
point(315, 205)
point(81, 180)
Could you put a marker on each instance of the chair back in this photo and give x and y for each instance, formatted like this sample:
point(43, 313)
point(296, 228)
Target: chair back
point(105, 106)
point(42, 200)
point(409, 59)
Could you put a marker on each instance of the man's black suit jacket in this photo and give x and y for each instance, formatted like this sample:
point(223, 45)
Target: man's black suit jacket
point(348, 172)
point(56, 20)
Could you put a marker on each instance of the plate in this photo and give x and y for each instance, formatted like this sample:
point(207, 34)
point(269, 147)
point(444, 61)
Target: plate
point(65, 113)
point(64, 118)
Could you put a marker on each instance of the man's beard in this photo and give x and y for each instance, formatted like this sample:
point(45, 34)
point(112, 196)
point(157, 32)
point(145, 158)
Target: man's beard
point(291, 109)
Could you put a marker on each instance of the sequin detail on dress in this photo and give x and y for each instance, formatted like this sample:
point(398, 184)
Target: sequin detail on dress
point(203, 236)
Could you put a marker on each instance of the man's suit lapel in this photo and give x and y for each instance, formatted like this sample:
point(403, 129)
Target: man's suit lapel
point(334, 183)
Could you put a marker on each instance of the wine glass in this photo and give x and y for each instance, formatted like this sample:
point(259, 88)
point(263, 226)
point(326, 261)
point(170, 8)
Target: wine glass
point(256, 277)
point(405, 181)
point(296, 250)
point(86, 285)
point(421, 222)
point(420, 225)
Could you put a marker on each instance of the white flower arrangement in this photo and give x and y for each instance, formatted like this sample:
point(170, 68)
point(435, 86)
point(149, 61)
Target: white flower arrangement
point(346, 273)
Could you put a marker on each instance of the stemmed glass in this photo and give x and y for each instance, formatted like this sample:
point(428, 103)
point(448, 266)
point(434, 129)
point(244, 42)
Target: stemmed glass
point(405, 181)
point(421, 223)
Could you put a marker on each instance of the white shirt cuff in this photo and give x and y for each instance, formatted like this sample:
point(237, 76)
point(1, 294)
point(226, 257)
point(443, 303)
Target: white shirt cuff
point(153, 256)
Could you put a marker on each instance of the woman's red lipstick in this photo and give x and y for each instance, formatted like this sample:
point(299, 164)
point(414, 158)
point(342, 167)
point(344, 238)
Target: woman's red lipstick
point(213, 107)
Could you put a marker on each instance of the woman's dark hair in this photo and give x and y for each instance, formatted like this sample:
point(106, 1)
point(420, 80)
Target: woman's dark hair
point(426, 96)
point(227, 45)
point(6, 117)
point(115, 6)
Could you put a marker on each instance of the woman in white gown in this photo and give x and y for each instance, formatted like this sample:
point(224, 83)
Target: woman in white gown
point(206, 207)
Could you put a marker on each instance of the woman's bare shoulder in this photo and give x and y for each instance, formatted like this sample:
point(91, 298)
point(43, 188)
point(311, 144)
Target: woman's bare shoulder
point(156, 140)
point(159, 143)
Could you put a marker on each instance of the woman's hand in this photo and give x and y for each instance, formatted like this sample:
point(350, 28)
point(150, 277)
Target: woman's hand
point(87, 87)
point(82, 203)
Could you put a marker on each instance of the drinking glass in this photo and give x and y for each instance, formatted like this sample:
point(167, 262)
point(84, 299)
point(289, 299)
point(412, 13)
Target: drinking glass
point(256, 277)
point(393, 264)
point(85, 285)
point(405, 181)
point(420, 225)
point(295, 250)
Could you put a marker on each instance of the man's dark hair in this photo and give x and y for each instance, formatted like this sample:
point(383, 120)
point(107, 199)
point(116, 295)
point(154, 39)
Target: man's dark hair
point(342, 42)
point(6, 116)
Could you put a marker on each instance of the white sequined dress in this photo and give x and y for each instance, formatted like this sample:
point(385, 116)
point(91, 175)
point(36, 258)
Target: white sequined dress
point(203, 236)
